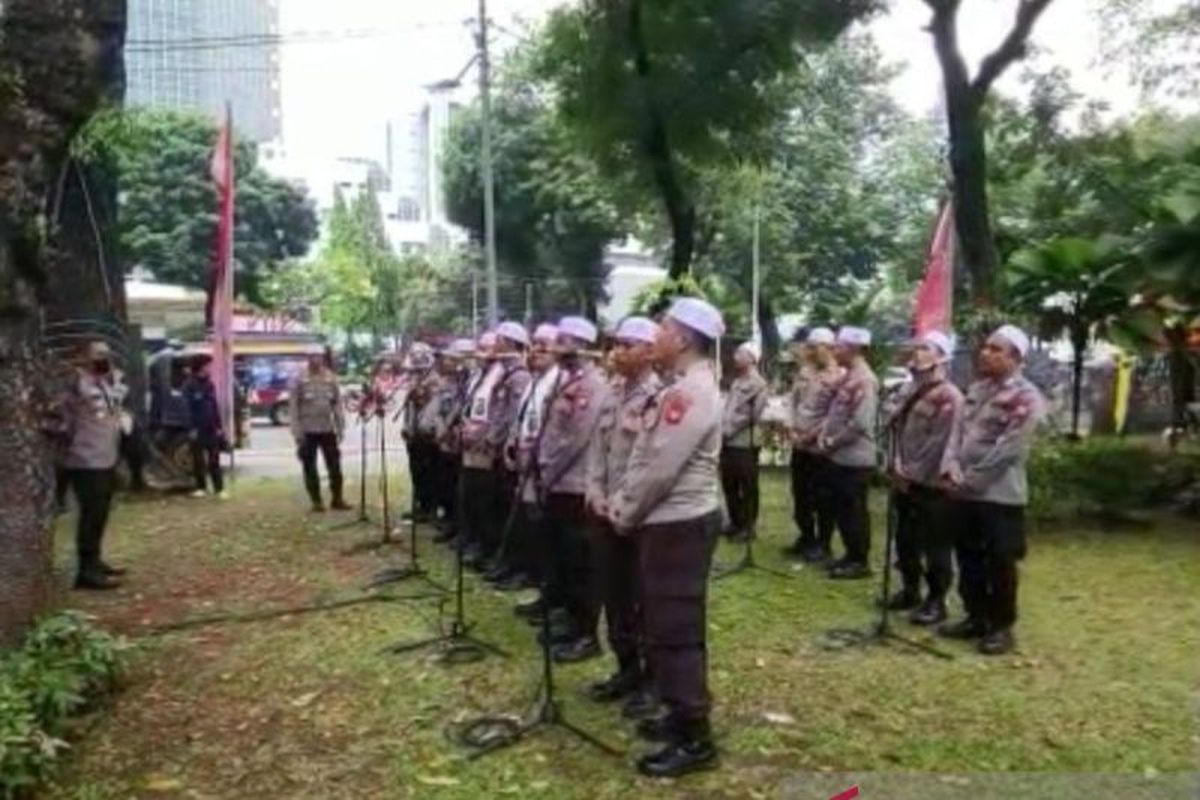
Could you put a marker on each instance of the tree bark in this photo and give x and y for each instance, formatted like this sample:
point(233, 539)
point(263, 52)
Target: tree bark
point(50, 59)
point(1182, 376)
point(1079, 340)
point(965, 98)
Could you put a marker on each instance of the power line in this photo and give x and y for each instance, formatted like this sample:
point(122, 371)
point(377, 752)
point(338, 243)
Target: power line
point(202, 43)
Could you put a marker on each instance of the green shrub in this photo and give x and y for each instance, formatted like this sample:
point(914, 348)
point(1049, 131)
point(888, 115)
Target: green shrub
point(63, 665)
point(1106, 475)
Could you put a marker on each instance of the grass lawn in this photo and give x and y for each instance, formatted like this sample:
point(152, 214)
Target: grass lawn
point(1101, 701)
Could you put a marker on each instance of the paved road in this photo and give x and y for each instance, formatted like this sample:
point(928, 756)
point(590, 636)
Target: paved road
point(272, 452)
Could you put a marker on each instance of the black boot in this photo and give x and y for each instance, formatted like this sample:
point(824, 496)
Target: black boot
point(530, 609)
point(680, 758)
point(969, 628)
point(581, 649)
point(515, 582)
point(642, 704)
point(620, 684)
point(931, 612)
point(339, 504)
point(998, 642)
point(850, 571)
point(657, 729)
point(111, 571)
point(93, 579)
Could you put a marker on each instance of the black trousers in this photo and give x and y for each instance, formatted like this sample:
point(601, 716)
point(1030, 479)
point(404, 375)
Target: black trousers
point(206, 462)
point(812, 501)
point(673, 565)
point(327, 444)
point(422, 465)
point(616, 584)
point(924, 543)
point(571, 585)
point(989, 541)
point(739, 479)
point(848, 490)
point(506, 486)
point(94, 492)
point(476, 505)
point(446, 483)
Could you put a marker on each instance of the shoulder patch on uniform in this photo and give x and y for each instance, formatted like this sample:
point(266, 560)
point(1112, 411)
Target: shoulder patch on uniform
point(675, 407)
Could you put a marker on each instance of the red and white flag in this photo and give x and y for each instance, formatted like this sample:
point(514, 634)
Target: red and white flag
point(221, 291)
point(934, 308)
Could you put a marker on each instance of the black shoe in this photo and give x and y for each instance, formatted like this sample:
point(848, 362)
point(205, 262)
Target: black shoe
point(530, 609)
point(561, 632)
point(582, 649)
point(968, 628)
point(340, 505)
point(111, 571)
point(497, 572)
point(679, 759)
point(850, 571)
point(997, 643)
point(317, 507)
point(613, 688)
point(642, 704)
point(904, 600)
point(657, 729)
point(817, 555)
point(515, 582)
point(931, 612)
point(96, 581)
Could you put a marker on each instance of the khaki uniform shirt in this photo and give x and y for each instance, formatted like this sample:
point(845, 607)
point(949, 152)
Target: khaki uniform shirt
point(422, 410)
point(571, 419)
point(94, 421)
point(744, 405)
point(618, 429)
point(812, 395)
point(848, 432)
point(672, 471)
point(491, 410)
point(526, 433)
point(448, 398)
point(993, 440)
point(316, 405)
point(925, 431)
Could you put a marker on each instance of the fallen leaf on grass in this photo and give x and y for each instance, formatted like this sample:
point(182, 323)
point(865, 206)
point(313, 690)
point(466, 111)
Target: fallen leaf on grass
point(161, 783)
point(305, 699)
point(437, 780)
point(779, 718)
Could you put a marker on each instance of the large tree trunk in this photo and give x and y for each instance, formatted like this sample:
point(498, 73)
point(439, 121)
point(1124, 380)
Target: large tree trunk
point(1183, 377)
point(50, 59)
point(1079, 342)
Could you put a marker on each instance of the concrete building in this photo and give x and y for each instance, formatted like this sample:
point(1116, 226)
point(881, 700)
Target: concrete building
point(197, 55)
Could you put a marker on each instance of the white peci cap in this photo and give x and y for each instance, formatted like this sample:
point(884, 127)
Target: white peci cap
point(699, 315)
point(944, 342)
point(514, 332)
point(637, 329)
point(546, 332)
point(1014, 336)
point(578, 328)
point(820, 336)
point(750, 349)
point(461, 348)
point(420, 356)
point(849, 334)
point(487, 339)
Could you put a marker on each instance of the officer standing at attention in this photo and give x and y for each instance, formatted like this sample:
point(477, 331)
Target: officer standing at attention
point(816, 386)
point(928, 411)
point(986, 476)
point(512, 347)
point(571, 419)
point(418, 429)
point(668, 500)
point(847, 439)
point(317, 424)
point(449, 398)
point(94, 419)
point(634, 387)
point(744, 405)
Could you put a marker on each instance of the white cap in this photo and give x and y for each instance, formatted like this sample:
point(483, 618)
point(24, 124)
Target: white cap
point(579, 328)
point(700, 316)
point(750, 349)
point(420, 356)
point(1014, 336)
point(637, 329)
point(820, 336)
point(944, 342)
point(546, 332)
point(513, 331)
point(849, 334)
point(487, 339)
point(461, 347)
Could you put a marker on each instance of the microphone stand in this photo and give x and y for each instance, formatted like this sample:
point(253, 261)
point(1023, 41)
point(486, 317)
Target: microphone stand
point(882, 633)
point(385, 522)
point(362, 518)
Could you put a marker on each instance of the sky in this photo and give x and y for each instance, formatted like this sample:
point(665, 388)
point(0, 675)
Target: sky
point(338, 94)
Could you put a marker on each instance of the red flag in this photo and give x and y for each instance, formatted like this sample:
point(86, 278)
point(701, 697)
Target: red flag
point(221, 292)
point(935, 296)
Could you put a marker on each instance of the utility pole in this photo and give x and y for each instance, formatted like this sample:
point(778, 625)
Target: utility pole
point(489, 183)
point(474, 305)
point(528, 303)
point(755, 332)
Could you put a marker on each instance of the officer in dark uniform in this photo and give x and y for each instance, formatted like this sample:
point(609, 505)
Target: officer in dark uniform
point(669, 501)
point(986, 474)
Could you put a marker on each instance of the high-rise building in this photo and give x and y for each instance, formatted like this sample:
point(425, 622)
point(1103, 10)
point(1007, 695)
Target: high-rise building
point(198, 55)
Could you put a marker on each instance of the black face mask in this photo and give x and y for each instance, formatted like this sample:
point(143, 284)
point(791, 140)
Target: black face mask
point(101, 366)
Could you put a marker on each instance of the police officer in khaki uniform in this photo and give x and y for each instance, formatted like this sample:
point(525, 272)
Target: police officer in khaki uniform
point(571, 419)
point(417, 429)
point(668, 500)
point(986, 474)
point(94, 419)
point(634, 386)
point(812, 395)
point(744, 405)
point(925, 414)
point(847, 439)
point(449, 397)
point(318, 422)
